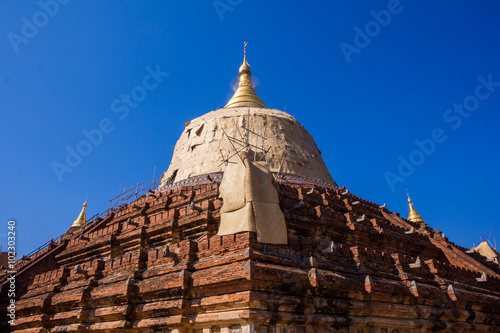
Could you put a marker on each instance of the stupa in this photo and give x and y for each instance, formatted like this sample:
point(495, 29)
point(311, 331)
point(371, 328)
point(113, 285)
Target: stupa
point(248, 232)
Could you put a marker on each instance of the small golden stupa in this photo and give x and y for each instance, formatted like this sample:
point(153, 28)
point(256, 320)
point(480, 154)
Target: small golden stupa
point(413, 215)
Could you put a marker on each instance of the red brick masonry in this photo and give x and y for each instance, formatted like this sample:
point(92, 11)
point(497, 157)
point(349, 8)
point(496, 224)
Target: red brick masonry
point(349, 266)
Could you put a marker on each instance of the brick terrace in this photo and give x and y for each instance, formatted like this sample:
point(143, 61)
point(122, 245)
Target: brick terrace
point(350, 265)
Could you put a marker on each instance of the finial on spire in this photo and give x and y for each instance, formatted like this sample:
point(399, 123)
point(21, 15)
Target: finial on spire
point(413, 215)
point(245, 94)
point(245, 67)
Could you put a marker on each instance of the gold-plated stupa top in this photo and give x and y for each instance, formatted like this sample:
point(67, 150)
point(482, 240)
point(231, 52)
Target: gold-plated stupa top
point(245, 94)
point(413, 215)
point(82, 218)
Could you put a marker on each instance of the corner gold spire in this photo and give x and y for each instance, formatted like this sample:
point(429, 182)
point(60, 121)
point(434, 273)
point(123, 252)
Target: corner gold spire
point(245, 94)
point(413, 215)
point(82, 218)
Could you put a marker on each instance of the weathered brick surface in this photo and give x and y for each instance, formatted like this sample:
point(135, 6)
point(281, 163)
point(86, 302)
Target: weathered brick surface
point(350, 265)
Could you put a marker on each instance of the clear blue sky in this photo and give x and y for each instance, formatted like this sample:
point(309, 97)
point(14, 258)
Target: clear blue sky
point(62, 77)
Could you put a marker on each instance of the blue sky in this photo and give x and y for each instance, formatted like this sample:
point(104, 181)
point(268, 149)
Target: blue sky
point(366, 78)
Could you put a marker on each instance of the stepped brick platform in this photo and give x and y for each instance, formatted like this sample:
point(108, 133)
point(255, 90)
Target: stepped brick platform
point(350, 265)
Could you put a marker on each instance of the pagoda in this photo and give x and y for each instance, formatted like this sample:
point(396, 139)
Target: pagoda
point(247, 231)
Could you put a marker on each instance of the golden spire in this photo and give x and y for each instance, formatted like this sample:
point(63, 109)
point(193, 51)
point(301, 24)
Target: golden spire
point(413, 215)
point(82, 218)
point(245, 94)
